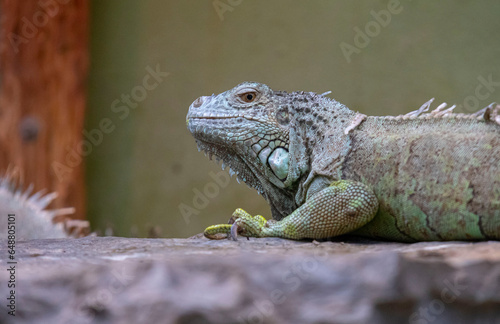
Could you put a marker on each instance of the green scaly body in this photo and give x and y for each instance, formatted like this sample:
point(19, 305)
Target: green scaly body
point(326, 170)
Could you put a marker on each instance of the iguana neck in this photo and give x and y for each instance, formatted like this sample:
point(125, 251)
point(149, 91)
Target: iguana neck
point(319, 142)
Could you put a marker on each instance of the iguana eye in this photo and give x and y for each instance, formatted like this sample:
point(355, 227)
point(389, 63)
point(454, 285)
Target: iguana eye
point(248, 96)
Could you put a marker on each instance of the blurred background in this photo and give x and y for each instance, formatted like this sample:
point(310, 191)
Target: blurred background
point(149, 60)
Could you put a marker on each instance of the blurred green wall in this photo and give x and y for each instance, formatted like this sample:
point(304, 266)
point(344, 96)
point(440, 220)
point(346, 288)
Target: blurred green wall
point(147, 168)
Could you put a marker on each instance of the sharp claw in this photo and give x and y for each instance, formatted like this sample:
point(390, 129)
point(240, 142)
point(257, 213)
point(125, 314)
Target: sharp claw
point(234, 232)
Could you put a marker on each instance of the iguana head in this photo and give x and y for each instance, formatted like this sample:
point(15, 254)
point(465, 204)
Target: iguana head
point(266, 137)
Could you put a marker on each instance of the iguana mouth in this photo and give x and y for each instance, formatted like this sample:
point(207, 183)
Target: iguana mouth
point(216, 117)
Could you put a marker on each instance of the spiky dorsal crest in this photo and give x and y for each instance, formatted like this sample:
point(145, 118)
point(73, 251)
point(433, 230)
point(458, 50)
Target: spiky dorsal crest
point(490, 113)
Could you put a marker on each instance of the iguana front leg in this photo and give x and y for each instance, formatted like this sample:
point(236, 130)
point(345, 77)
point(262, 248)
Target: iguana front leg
point(342, 207)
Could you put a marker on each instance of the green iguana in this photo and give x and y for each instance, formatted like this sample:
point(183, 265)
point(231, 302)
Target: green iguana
point(326, 170)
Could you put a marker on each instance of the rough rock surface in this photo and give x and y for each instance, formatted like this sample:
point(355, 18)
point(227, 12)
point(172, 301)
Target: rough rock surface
point(126, 280)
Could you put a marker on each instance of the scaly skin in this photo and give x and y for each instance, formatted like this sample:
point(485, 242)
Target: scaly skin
point(336, 210)
point(326, 170)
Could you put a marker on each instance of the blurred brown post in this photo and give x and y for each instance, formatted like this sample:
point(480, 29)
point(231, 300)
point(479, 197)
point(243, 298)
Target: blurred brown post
point(43, 73)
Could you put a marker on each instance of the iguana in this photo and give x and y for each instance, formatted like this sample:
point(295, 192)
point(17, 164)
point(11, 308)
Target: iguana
point(326, 170)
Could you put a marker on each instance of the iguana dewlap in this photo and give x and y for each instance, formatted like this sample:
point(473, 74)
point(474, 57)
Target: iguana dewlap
point(326, 170)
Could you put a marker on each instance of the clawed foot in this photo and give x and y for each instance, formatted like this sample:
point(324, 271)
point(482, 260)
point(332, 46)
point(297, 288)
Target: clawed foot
point(241, 223)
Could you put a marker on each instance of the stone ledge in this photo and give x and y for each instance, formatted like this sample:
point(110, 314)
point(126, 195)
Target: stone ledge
point(126, 280)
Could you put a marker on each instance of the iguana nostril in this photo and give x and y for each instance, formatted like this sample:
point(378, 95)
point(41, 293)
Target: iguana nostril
point(201, 100)
point(198, 102)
